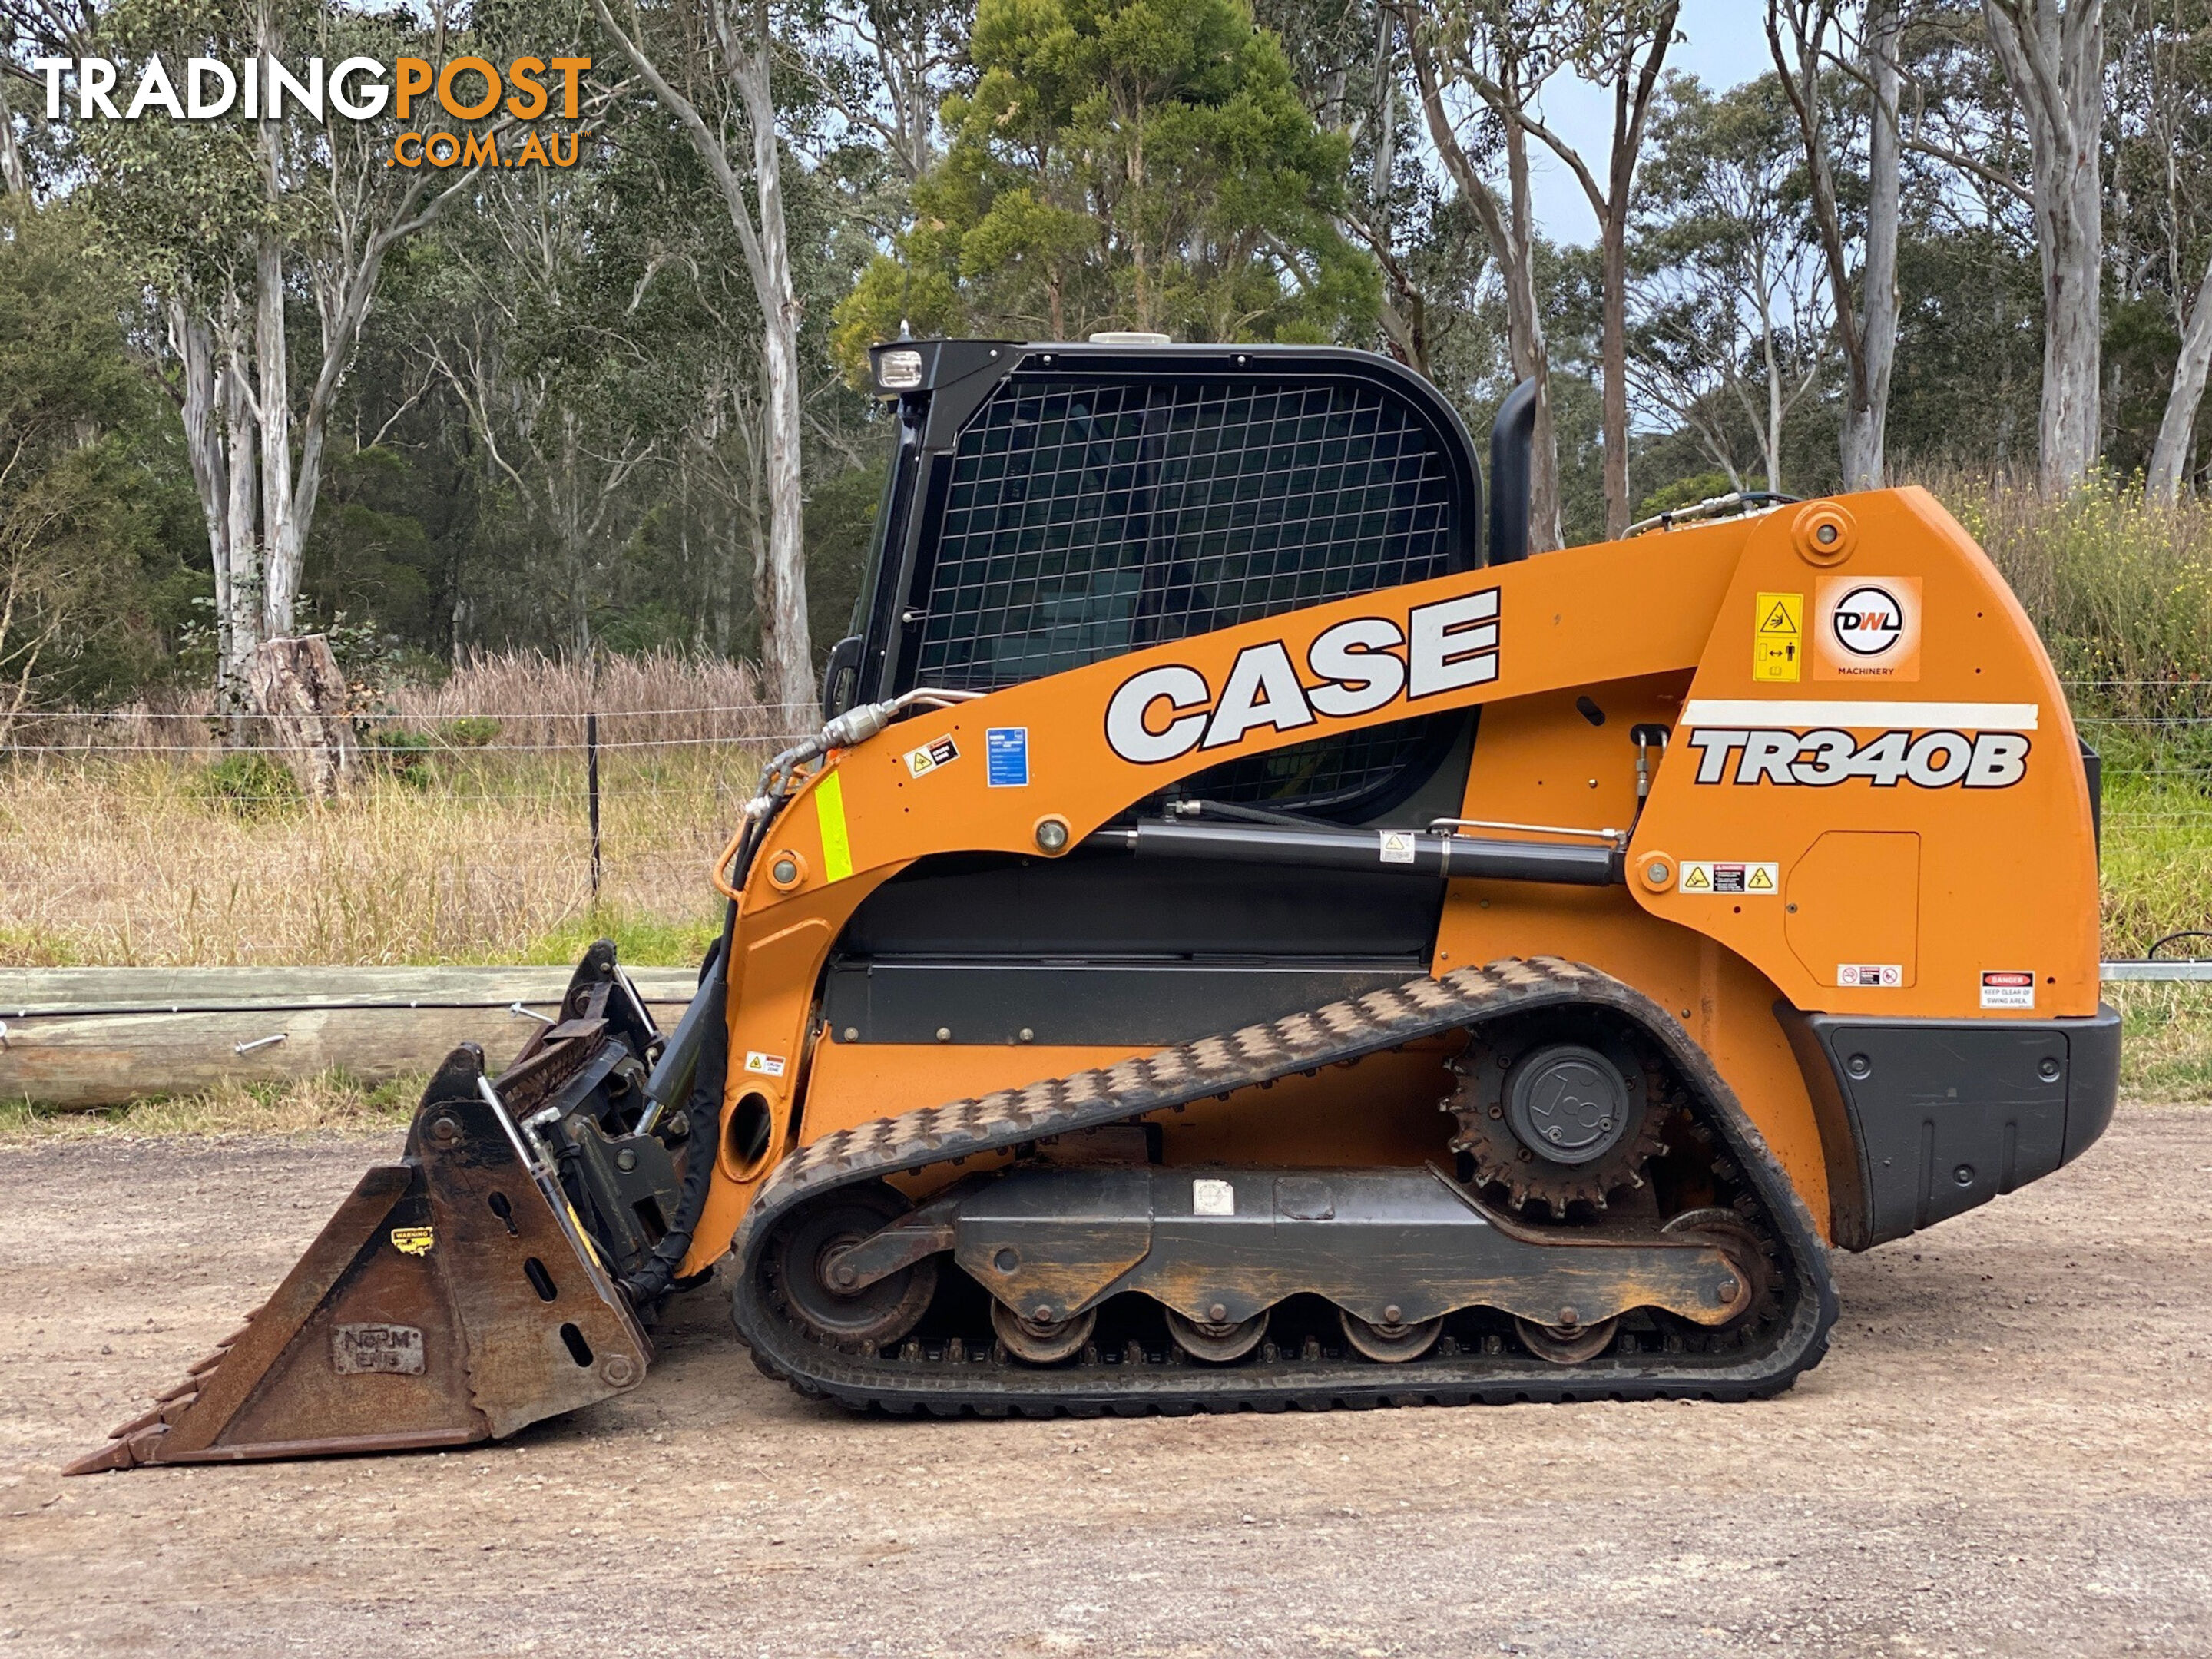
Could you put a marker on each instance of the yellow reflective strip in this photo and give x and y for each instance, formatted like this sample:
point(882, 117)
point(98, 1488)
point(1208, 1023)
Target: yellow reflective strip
point(830, 811)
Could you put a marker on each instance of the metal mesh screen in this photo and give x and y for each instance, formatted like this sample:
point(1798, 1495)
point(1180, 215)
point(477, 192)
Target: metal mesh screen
point(1088, 519)
point(1085, 520)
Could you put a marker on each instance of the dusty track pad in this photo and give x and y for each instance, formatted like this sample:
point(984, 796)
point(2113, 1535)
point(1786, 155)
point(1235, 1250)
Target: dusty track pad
point(452, 1299)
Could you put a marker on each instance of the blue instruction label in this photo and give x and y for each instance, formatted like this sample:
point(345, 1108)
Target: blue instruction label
point(1006, 757)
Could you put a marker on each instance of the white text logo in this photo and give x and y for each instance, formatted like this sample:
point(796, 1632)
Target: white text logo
point(1162, 713)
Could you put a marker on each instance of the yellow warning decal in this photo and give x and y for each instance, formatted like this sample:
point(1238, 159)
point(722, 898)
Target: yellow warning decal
point(830, 813)
point(1778, 641)
point(413, 1241)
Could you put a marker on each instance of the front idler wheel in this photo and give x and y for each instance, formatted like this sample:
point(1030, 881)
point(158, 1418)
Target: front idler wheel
point(1042, 1341)
point(1217, 1342)
point(803, 1252)
point(1747, 1253)
point(1391, 1344)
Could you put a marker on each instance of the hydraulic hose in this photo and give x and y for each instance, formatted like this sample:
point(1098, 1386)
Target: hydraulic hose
point(702, 1105)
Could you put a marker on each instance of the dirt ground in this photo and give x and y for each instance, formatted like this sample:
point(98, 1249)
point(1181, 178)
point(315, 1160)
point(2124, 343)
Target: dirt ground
point(2008, 1452)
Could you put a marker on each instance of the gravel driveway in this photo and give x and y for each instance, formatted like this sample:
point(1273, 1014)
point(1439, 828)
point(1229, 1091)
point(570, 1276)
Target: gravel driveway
point(2008, 1450)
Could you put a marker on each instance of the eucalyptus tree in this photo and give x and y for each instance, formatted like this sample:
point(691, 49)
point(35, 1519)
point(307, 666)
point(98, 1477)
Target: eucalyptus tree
point(233, 221)
point(2160, 213)
point(1503, 52)
point(2011, 96)
point(1507, 50)
point(712, 67)
point(2052, 52)
point(1733, 318)
point(1832, 52)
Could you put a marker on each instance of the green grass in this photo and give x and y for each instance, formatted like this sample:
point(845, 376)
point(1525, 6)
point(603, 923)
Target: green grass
point(2166, 1041)
point(642, 940)
point(35, 947)
point(2157, 862)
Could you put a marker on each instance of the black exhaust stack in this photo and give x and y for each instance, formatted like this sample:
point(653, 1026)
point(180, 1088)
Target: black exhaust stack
point(1512, 438)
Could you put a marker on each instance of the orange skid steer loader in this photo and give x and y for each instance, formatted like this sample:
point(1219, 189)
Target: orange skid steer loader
point(1250, 935)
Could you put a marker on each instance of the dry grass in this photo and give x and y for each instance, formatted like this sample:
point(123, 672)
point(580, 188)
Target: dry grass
point(332, 1103)
point(660, 698)
point(473, 848)
point(131, 864)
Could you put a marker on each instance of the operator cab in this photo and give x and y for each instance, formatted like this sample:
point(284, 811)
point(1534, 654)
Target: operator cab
point(1051, 505)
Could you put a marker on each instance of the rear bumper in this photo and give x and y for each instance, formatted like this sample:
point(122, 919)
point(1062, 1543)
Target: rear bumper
point(1923, 1118)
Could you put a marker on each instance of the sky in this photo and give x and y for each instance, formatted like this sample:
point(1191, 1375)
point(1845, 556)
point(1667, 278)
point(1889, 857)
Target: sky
point(1725, 44)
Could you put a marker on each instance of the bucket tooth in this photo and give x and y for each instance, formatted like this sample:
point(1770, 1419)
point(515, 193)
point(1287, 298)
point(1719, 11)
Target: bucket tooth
point(452, 1299)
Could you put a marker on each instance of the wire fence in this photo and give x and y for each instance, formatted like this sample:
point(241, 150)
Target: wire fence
point(470, 830)
point(666, 754)
point(457, 748)
point(478, 826)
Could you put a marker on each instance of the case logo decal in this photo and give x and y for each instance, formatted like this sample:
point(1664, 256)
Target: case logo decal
point(1356, 667)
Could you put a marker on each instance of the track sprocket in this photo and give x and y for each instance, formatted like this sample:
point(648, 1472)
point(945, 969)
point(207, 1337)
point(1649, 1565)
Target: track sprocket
point(1487, 1133)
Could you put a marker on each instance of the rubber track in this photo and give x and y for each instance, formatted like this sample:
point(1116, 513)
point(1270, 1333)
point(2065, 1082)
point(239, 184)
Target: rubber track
point(1217, 1065)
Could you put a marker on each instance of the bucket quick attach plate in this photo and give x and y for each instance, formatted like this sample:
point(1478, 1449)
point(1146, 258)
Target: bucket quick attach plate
point(452, 1299)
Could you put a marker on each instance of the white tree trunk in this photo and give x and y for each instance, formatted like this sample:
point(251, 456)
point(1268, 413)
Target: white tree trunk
point(742, 34)
point(1866, 411)
point(13, 180)
point(2053, 58)
point(241, 542)
point(2177, 431)
point(1511, 227)
point(1618, 38)
point(786, 655)
point(1770, 441)
point(268, 504)
point(280, 562)
point(1531, 358)
point(193, 342)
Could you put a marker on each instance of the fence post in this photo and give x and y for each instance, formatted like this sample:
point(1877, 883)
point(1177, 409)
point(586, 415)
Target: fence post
point(591, 788)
